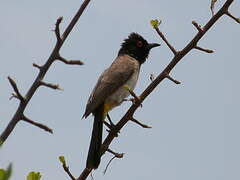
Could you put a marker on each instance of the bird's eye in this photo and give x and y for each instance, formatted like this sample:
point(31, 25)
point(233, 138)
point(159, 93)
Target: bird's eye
point(139, 44)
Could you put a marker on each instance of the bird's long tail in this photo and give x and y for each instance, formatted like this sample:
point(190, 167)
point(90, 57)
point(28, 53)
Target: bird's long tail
point(94, 152)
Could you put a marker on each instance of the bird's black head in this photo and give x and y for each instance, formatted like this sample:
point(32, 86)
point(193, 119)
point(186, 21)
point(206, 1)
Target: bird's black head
point(136, 46)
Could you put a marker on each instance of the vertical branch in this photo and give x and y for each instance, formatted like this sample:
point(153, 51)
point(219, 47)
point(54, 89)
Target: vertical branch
point(43, 70)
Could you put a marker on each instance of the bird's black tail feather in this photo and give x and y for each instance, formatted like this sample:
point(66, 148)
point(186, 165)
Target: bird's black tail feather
point(94, 152)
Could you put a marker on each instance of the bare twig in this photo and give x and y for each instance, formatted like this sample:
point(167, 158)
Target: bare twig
point(42, 126)
point(166, 41)
point(15, 88)
point(213, 2)
point(117, 155)
point(139, 123)
point(66, 169)
point(43, 70)
point(173, 80)
point(71, 62)
point(233, 17)
point(152, 77)
point(203, 49)
point(13, 96)
point(197, 26)
point(37, 66)
point(53, 86)
point(57, 29)
point(129, 114)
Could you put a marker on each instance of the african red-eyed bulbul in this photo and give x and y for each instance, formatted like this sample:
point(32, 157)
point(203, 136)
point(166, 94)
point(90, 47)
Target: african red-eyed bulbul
point(109, 91)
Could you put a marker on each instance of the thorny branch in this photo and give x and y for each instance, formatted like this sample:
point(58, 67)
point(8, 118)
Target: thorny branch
point(42, 72)
point(178, 55)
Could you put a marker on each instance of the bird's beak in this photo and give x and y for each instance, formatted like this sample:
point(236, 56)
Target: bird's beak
point(152, 45)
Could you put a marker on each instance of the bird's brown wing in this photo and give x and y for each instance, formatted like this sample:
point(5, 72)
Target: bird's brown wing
point(111, 79)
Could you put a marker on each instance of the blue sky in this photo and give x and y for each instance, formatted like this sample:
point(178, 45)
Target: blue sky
point(196, 124)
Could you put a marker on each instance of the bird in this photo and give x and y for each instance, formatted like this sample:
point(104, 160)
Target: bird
point(109, 91)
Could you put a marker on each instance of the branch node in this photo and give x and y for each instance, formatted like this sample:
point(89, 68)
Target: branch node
point(17, 94)
point(53, 86)
point(233, 17)
point(57, 29)
point(203, 49)
point(173, 80)
point(139, 123)
point(41, 126)
point(197, 26)
point(71, 62)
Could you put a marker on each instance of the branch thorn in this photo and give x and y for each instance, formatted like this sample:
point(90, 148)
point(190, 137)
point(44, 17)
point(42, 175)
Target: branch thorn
point(203, 49)
point(53, 86)
point(233, 17)
point(37, 66)
point(197, 26)
point(173, 80)
point(213, 6)
point(71, 62)
point(41, 126)
point(139, 123)
point(152, 77)
point(15, 88)
point(57, 29)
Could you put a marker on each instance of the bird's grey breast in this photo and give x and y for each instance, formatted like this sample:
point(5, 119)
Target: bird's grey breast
point(121, 93)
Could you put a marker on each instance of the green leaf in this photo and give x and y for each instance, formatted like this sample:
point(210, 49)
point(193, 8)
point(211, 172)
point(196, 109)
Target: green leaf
point(155, 23)
point(5, 174)
point(34, 176)
point(62, 160)
point(2, 174)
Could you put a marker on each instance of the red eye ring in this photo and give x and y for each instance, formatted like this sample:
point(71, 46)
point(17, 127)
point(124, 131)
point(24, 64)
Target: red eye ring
point(139, 44)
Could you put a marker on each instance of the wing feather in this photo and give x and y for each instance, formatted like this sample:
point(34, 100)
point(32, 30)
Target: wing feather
point(111, 79)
